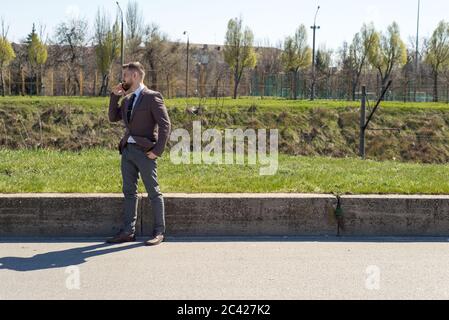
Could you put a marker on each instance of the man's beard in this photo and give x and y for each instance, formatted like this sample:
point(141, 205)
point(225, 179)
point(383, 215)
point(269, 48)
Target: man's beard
point(126, 86)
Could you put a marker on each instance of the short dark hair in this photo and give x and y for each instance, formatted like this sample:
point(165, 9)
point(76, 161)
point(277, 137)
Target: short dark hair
point(135, 66)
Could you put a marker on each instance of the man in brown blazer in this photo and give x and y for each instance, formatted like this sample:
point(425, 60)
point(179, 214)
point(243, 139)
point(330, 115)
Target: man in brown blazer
point(142, 111)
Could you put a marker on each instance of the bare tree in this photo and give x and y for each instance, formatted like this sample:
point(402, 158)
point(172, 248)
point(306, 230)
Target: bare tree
point(134, 29)
point(171, 65)
point(324, 69)
point(71, 38)
point(269, 57)
point(107, 46)
point(156, 44)
point(268, 62)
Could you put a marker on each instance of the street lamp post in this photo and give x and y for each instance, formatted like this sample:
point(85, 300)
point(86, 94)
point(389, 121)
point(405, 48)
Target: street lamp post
point(187, 68)
point(314, 28)
point(122, 45)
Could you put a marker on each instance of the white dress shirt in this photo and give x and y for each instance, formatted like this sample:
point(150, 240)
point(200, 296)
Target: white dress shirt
point(137, 93)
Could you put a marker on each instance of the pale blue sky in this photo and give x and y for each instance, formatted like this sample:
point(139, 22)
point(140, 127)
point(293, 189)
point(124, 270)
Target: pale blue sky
point(206, 20)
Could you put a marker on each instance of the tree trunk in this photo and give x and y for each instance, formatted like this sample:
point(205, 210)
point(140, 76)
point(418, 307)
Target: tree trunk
point(41, 80)
point(405, 92)
point(236, 84)
point(153, 75)
point(384, 85)
point(36, 77)
point(291, 85)
point(2, 81)
point(354, 87)
point(168, 86)
point(295, 85)
point(104, 85)
point(435, 86)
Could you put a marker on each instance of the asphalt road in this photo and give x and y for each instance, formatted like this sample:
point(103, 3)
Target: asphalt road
point(226, 268)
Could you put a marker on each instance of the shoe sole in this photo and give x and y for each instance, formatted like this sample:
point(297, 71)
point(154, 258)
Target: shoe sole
point(153, 244)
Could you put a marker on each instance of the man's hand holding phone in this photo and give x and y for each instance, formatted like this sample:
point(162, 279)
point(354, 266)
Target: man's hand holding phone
point(119, 91)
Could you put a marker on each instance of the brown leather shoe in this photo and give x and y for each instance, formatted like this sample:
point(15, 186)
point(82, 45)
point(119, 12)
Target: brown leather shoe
point(157, 239)
point(122, 238)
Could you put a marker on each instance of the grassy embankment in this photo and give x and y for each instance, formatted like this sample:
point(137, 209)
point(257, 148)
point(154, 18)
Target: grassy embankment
point(320, 128)
point(311, 133)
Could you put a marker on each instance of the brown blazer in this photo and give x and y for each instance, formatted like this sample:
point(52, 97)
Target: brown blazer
point(148, 114)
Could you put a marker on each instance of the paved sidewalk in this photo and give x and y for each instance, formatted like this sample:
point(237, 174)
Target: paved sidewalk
point(223, 268)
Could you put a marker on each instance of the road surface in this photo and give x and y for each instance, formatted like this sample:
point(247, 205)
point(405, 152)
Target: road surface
point(226, 268)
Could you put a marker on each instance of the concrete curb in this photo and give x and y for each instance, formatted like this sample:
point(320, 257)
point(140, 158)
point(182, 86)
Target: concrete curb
point(232, 215)
point(396, 215)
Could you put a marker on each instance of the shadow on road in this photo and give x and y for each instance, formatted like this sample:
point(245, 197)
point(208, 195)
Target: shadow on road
point(61, 259)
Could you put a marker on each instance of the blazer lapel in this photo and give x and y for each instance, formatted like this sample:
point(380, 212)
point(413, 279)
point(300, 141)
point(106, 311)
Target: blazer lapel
point(138, 102)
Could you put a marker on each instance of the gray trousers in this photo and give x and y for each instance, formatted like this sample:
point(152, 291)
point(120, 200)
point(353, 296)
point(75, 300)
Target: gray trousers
point(135, 161)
